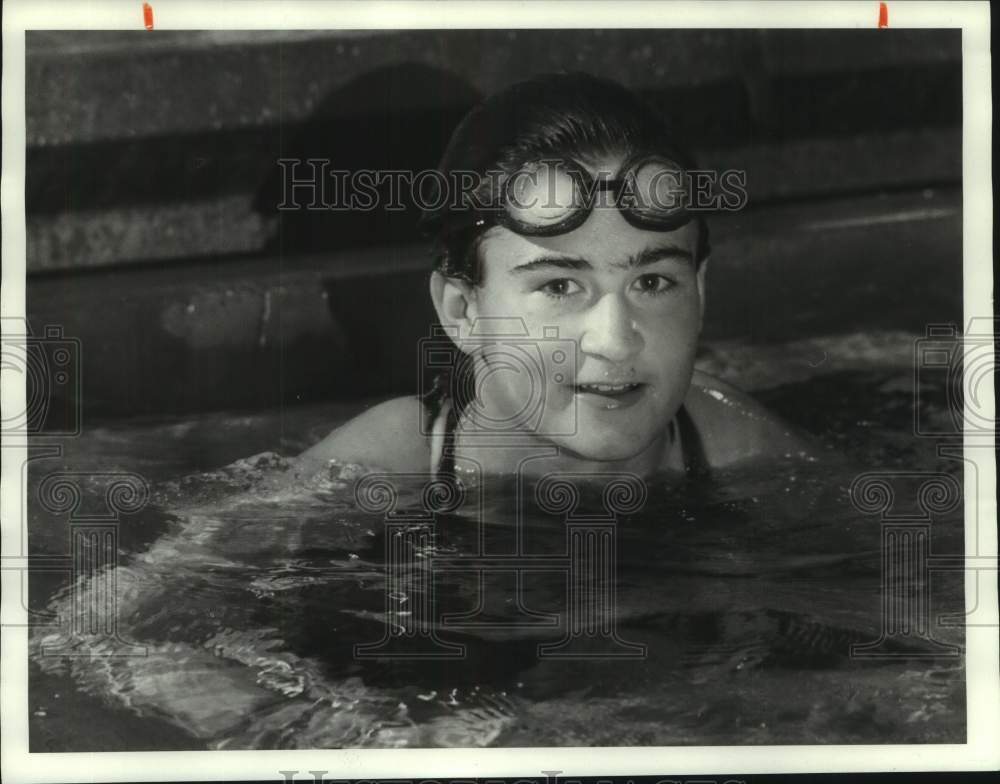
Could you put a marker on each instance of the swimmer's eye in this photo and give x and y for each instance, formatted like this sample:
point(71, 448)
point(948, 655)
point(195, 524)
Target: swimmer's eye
point(654, 284)
point(560, 288)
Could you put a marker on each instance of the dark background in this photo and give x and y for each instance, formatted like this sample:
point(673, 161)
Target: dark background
point(152, 183)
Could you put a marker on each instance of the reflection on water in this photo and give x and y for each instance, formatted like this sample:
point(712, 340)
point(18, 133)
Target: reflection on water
point(746, 591)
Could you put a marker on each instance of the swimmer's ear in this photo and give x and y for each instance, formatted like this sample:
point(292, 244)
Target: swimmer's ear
point(700, 275)
point(455, 302)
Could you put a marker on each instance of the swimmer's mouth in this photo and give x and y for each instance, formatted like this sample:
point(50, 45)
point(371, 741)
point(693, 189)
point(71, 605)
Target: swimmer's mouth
point(607, 390)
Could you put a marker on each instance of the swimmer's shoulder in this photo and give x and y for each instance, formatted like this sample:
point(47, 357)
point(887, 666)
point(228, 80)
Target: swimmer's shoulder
point(734, 427)
point(389, 435)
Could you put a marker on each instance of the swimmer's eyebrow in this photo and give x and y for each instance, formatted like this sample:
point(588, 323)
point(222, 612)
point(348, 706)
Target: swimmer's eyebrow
point(643, 259)
point(558, 262)
point(653, 255)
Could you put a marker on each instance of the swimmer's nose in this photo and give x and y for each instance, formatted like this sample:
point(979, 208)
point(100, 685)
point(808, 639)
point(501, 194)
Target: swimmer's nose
point(610, 330)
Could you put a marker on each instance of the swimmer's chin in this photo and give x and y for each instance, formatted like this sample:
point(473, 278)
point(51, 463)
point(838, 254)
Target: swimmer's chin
point(604, 451)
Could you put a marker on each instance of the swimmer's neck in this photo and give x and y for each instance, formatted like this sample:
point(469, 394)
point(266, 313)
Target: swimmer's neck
point(536, 456)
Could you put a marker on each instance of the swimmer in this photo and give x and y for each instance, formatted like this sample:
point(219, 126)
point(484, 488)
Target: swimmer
point(573, 297)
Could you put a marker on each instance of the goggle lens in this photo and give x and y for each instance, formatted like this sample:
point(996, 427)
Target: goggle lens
point(657, 190)
point(542, 196)
point(554, 197)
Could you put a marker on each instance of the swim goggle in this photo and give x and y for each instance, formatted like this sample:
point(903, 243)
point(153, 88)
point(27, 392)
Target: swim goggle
point(551, 197)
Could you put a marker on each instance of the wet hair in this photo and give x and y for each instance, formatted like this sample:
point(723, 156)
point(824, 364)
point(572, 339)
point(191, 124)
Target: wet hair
point(560, 115)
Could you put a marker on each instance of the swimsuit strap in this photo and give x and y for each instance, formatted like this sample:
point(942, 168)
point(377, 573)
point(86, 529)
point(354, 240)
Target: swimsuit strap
point(441, 423)
point(692, 448)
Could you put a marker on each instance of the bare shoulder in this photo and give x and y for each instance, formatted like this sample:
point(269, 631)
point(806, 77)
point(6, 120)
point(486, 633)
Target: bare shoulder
point(388, 435)
point(734, 427)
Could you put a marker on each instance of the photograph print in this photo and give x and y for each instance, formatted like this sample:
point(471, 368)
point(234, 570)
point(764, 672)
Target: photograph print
point(521, 388)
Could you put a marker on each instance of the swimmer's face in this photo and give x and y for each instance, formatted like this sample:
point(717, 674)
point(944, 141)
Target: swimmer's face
point(627, 302)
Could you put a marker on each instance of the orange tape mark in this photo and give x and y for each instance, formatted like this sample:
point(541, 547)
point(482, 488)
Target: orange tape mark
point(147, 16)
point(883, 15)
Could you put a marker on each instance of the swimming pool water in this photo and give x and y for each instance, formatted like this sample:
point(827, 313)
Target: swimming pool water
point(249, 586)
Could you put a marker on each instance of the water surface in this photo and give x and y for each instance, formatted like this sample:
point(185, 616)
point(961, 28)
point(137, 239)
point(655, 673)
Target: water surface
point(249, 586)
